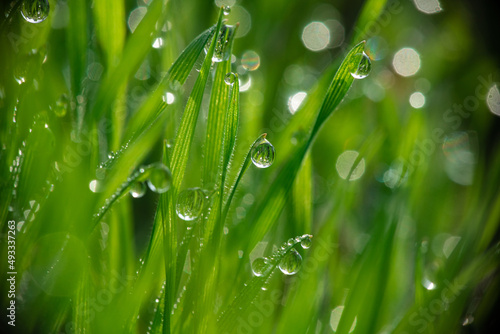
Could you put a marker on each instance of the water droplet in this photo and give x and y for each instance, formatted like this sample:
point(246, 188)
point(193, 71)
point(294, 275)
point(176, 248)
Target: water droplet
point(227, 10)
point(306, 242)
point(290, 241)
point(262, 153)
point(159, 178)
point(230, 78)
point(291, 262)
point(222, 51)
point(61, 106)
point(35, 11)
point(190, 203)
point(137, 189)
point(363, 66)
point(259, 266)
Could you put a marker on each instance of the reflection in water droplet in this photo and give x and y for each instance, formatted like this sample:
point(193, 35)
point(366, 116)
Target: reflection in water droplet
point(259, 266)
point(316, 36)
point(250, 60)
point(406, 62)
point(262, 153)
point(35, 11)
point(190, 204)
point(227, 10)
point(159, 178)
point(230, 78)
point(295, 101)
point(335, 319)
point(137, 189)
point(363, 67)
point(345, 166)
point(291, 262)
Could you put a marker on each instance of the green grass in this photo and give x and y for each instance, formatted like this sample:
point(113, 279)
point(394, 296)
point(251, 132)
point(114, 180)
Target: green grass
point(403, 235)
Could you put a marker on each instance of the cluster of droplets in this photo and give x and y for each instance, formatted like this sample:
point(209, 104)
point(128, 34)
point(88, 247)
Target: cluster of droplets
point(112, 156)
point(287, 258)
point(262, 152)
point(159, 180)
point(35, 11)
point(362, 66)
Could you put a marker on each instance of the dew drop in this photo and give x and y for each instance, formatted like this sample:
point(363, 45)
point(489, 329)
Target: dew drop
point(160, 178)
point(190, 204)
point(35, 11)
point(259, 266)
point(61, 106)
point(230, 78)
point(291, 262)
point(262, 153)
point(137, 189)
point(227, 10)
point(306, 241)
point(222, 50)
point(363, 67)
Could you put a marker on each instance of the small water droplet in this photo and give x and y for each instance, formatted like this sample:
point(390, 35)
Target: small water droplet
point(291, 262)
point(262, 153)
point(35, 11)
point(259, 266)
point(290, 241)
point(95, 186)
point(306, 241)
point(160, 178)
point(61, 106)
point(230, 78)
point(137, 189)
point(363, 67)
point(190, 203)
point(227, 10)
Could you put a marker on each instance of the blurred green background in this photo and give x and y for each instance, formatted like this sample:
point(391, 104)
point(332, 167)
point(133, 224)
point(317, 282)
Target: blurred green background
point(400, 188)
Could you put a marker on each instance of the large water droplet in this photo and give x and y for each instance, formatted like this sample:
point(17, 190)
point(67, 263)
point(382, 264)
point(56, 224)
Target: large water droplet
point(137, 189)
point(230, 78)
point(291, 262)
point(222, 51)
point(190, 203)
point(262, 153)
point(259, 266)
point(227, 10)
point(35, 11)
point(159, 178)
point(363, 66)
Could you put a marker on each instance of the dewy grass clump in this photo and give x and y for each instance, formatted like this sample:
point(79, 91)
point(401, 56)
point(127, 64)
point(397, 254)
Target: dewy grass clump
point(157, 158)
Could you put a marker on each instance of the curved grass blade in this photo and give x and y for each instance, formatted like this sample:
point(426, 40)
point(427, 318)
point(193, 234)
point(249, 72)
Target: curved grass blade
point(270, 207)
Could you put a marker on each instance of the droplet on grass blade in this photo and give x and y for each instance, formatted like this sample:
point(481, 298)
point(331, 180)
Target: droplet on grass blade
point(190, 204)
point(291, 262)
point(230, 78)
point(222, 50)
point(137, 189)
point(160, 178)
point(306, 241)
point(262, 153)
point(227, 10)
point(35, 11)
point(259, 266)
point(363, 66)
